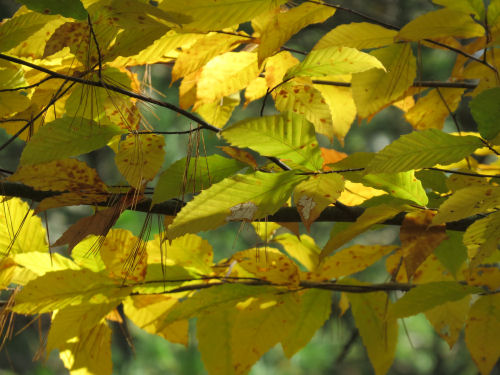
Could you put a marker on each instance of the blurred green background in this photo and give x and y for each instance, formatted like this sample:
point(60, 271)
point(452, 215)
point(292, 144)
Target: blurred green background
point(336, 348)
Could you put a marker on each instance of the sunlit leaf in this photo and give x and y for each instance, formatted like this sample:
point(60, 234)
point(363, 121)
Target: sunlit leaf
point(421, 150)
point(301, 248)
point(482, 237)
point(15, 30)
point(358, 35)
point(286, 136)
point(334, 61)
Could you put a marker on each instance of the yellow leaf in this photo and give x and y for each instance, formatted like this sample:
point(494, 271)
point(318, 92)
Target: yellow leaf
point(226, 74)
point(482, 332)
point(269, 264)
point(89, 353)
point(448, 319)
point(147, 311)
point(482, 237)
point(355, 193)
point(379, 332)
point(358, 35)
point(240, 155)
point(202, 51)
point(122, 255)
point(348, 261)
point(419, 238)
point(260, 324)
point(219, 112)
point(189, 250)
point(374, 89)
point(301, 248)
point(265, 230)
point(12, 102)
point(140, 157)
point(312, 196)
point(255, 90)
point(315, 309)
point(277, 66)
point(20, 230)
point(72, 199)
point(441, 23)
point(60, 175)
point(431, 110)
point(488, 277)
point(280, 26)
point(475, 7)
point(342, 108)
point(370, 217)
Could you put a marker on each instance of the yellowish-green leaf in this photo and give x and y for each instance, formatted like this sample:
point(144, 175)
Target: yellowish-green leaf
point(403, 185)
point(20, 230)
point(432, 110)
point(334, 61)
point(374, 89)
point(65, 137)
point(218, 113)
point(86, 254)
point(211, 15)
point(312, 196)
point(467, 202)
point(140, 157)
point(342, 110)
point(475, 7)
point(147, 312)
point(214, 333)
point(70, 8)
point(482, 237)
point(370, 217)
point(423, 150)
point(358, 35)
point(202, 51)
point(60, 289)
point(282, 25)
point(303, 249)
point(186, 251)
point(260, 324)
point(427, 296)
point(60, 175)
point(350, 260)
point(315, 309)
point(482, 332)
point(15, 30)
point(448, 319)
point(265, 230)
point(484, 109)
point(378, 331)
point(286, 136)
point(89, 353)
point(441, 23)
point(226, 74)
point(91, 198)
point(238, 198)
point(179, 179)
point(452, 252)
point(13, 102)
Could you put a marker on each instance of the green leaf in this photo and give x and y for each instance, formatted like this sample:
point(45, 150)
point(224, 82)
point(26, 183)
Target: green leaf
point(286, 136)
point(67, 136)
point(452, 252)
point(238, 198)
point(475, 7)
point(486, 112)
point(403, 185)
point(315, 308)
point(67, 8)
point(423, 150)
point(427, 296)
point(303, 249)
point(59, 289)
point(333, 61)
point(17, 29)
point(200, 174)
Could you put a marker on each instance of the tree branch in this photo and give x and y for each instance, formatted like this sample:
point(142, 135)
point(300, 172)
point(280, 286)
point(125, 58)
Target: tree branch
point(283, 215)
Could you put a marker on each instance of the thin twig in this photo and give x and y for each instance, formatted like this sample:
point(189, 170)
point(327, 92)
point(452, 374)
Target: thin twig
point(99, 56)
point(428, 84)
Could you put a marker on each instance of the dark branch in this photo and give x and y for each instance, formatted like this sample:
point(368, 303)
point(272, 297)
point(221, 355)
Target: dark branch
point(283, 215)
point(428, 84)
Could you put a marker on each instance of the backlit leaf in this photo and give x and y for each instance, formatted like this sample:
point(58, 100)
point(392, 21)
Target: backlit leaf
point(179, 179)
point(303, 249)
point(452, 252)
point(334, 61)
point(67, 137)
point(484, 109)
point(286, 136)
point(140, 157)
point(68, 8)
point(12, 102)
point(427, 296)
point(422, 150)
point(15, 30)
point(475, 7)
point(312, 196)
point(482, 237)
point(358, 35)
point(219, 113)
point(482, 332)
point(441, 23)
point(374, 89)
